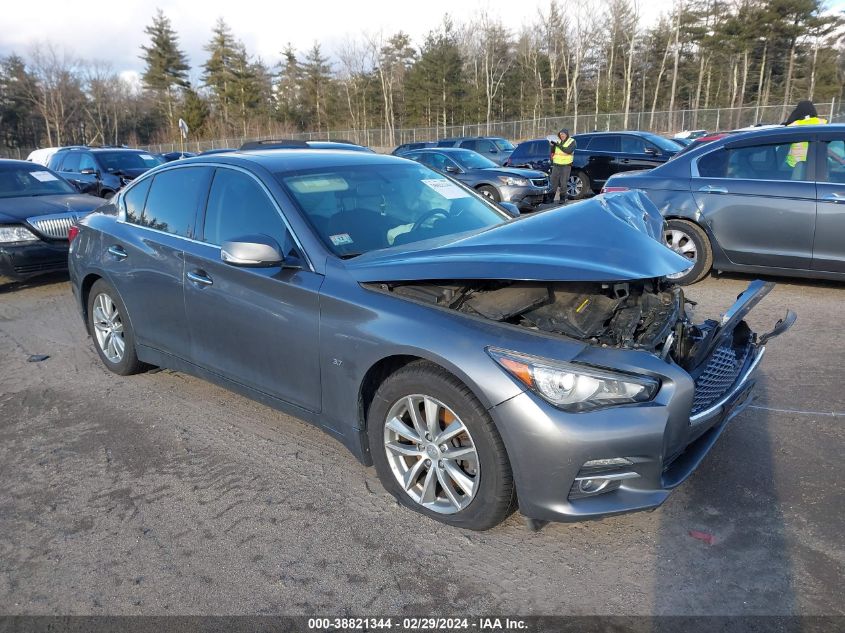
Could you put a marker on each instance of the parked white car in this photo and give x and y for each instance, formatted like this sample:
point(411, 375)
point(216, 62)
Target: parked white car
point(41, 156)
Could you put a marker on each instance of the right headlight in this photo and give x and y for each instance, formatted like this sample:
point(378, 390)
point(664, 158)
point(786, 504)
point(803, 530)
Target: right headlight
point(9, 234)
point(573, 387)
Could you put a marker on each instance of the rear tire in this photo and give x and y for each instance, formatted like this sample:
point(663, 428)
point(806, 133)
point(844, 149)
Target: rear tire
point(109, 325)
point(689, 240)
point(436, 395)
point(490, 192)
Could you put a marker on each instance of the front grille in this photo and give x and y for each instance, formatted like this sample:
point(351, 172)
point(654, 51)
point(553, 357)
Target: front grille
point(718, 377)
point(55, 264)
point(540, 182)
point(53, 227)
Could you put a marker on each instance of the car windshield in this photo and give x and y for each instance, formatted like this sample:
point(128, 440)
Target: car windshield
point(503, 145)
point(123, 161)
point(20, 181)
point(469, 159)
point(361, 208)
point(663, 143)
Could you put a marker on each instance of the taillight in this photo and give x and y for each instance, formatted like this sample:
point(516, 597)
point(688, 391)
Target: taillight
point(613, 189)
point(72, 232)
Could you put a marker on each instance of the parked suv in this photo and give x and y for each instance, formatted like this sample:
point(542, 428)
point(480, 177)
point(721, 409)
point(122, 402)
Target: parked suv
point(495, 148)
point(410, 147)
point(598, 156)
point(101, 171)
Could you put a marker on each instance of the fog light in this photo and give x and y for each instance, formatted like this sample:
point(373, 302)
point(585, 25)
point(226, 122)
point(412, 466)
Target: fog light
point(591, 486)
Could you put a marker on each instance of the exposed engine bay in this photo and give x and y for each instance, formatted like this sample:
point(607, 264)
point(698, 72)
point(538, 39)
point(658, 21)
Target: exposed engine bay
point(645, 314)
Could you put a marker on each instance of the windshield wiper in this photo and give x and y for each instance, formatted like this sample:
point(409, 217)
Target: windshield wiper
point(350, 255)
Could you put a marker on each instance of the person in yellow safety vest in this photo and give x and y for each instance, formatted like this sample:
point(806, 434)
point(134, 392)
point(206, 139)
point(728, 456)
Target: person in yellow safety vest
point(562, 155)
point(803, 114)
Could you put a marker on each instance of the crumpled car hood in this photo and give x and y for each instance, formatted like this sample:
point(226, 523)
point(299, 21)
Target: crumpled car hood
point(613, 237)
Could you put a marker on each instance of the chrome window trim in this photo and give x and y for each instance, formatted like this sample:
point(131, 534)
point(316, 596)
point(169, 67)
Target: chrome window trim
point(121, 215)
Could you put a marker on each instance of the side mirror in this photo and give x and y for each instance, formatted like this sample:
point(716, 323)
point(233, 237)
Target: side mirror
point(89, 172)
point(510, 208)
point(493, 150)
point(452, 169)
point(252, 250)
point(651, 151)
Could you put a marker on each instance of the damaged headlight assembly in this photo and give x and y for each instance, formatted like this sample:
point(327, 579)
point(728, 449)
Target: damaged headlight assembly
point(12, 234)
point(573, 387)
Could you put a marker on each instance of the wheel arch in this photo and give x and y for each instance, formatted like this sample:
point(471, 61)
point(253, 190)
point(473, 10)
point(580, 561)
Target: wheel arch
point(385, 367)
point(84, 292)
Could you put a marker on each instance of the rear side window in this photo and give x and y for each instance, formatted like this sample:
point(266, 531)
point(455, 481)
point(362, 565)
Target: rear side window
point(237, 207)
point(134, 199)
point(756, 162)
point(173, 200)
point(604, 144)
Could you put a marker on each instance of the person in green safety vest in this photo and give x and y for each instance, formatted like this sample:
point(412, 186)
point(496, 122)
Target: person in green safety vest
point(804, 114)
point(562, 155)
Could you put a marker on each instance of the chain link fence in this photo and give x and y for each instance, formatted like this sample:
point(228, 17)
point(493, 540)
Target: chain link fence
point(661, 122)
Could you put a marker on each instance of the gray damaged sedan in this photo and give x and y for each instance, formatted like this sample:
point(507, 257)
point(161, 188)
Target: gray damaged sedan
point(481, 363)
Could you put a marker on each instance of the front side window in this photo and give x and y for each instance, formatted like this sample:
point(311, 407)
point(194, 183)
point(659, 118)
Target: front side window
point(238, 207)
point(472, 160)
point(503, 144)
point(71, 162)
point(835, 155)
point(362, 208)
point(86, 161)
point(633, 145)
point(173, 200)
point(779, 161)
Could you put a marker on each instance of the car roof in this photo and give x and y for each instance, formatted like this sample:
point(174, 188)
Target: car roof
point(275, 160)
point(11, 163)
point(445, 150)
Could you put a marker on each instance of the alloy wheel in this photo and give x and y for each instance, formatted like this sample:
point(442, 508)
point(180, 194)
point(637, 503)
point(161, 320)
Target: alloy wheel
point(431, 454)
point(683, 245)
point(108, 328)
point(574, 185)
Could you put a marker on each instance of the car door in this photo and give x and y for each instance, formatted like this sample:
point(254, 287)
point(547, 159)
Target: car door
point(146, 260)
point(89, 172)
point(258, 327)
point(637, 153)
point(829, 236)
point(761, 210)
point(602, 156)
point(69, 168)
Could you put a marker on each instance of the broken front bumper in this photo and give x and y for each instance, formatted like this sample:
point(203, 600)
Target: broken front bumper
point(633, 456)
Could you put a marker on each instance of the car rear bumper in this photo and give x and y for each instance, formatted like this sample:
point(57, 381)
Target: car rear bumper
point(23, 261)
point(660, 445)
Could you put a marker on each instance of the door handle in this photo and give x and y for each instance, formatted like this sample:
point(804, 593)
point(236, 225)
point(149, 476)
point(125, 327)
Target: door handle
point(199, 277)
point(118, 252)
point(713, 189)
point(625, 160)
point(836, 196)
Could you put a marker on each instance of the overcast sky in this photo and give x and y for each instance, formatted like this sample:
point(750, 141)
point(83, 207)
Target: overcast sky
point(114, 31)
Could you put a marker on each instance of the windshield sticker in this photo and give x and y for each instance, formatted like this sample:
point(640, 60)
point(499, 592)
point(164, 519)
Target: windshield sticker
point(446, 188)
point(317, 184)
point(146, 157)
point(42, 176)
point(341, 239)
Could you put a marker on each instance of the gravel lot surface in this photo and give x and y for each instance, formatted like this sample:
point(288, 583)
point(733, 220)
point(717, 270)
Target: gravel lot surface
point(162, 494)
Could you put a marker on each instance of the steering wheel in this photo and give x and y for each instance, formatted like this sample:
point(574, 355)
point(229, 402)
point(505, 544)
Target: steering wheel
point(429, 214)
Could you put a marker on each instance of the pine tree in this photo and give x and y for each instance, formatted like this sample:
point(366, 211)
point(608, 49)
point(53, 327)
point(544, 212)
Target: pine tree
point(194, 111)
point(166, 71)
point(218, 72)
point(289, 89)
point(317, 89)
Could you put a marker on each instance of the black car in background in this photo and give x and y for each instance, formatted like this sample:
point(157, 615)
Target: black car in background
point(101, 171)
point(525, 188)
point(409, 147)
point(37, 207)
point(348, 146)
point(171, 156)
point(495, 148)
point(740, 203)
point(598, 156)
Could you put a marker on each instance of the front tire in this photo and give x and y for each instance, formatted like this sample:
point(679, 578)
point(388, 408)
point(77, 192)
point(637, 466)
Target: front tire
point(109, 325)
point(436, 450)
point(690, 241)
point(490, 192)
